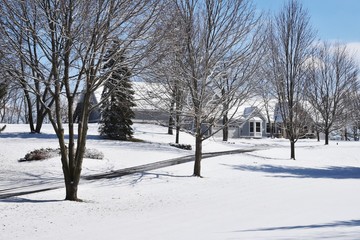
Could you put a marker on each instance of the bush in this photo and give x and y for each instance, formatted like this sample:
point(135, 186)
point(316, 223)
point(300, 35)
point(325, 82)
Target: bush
point(181, 146)
point(46, 153)
point(40, 154)
point(93, 154)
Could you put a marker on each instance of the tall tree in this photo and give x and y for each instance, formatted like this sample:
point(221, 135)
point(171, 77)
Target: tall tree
point(239, 82)
point(118, 100)
point(164, 89)
point(332, 79)
point(27, 68)
point(72, 38)
point(354, 111)
point(214, 32)
point(290, 42)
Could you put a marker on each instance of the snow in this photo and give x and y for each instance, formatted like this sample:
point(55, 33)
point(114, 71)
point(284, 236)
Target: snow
point(256, 195)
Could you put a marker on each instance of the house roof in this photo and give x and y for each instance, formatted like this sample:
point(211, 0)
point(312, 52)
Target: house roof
point(255, 119)
point(155, 96)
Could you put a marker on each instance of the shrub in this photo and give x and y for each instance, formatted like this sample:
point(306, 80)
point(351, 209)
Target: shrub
point(40, 154)
point(46, 153)
point(93, 154)
point(181, 146)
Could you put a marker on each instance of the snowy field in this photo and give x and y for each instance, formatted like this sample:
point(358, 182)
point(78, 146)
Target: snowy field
point(257, 195)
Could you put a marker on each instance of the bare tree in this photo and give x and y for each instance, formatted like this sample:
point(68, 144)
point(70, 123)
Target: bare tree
point(164, 89)
point(332, 80)
point(215, 32)
point(266, 90)
point(267, 96)
point(290, 40)
point(72, 38)
point(238, 82)
point(21, 28)
point(12, 106)
point(354, 111)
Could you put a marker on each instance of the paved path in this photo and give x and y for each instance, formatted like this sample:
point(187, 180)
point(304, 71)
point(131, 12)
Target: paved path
point(34, 188)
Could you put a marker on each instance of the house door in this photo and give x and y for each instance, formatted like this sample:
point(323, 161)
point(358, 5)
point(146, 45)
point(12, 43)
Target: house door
point(256, 128)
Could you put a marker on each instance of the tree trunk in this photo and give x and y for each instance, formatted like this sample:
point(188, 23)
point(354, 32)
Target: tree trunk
point(345, 134)
point(71, 191)
point(178, 109)
point(177, 136)
point(171, 118)
point(226, 128)
point(171, 125)
point(198, 155)
point(326, 137)
point(72, 170)
point(29, 118)
point(318, 136)
point(292, 149)
point(39, 122)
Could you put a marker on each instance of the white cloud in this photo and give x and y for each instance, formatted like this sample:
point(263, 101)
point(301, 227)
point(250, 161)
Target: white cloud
point(354, 50)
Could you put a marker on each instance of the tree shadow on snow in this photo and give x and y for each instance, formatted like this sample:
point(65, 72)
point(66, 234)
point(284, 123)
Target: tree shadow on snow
point(351, 223)
point(26, 200)
point(27, 135)
point(139, 177)
point(298, 172)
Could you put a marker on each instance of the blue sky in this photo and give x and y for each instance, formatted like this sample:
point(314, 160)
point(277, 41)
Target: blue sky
point(334, 20)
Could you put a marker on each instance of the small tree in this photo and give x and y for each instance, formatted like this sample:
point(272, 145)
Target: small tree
point(118, 99)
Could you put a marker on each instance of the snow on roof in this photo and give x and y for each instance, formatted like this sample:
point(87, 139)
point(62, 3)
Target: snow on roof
point(256, 119)
point(155, 96)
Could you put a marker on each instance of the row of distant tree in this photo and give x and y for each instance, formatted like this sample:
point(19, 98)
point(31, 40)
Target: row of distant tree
point(208, 73)
point(202, 60)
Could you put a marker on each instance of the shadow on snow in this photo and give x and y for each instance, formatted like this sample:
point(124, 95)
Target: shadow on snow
point(26, 200)
point(138, 177)
point(298, 172)
point(26, 135)
point(351, 223)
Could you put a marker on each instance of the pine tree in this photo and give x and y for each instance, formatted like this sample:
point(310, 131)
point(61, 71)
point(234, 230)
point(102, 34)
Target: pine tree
point(117, 101)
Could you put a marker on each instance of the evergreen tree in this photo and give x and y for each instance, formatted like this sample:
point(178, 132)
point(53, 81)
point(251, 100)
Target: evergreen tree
point(117, 101)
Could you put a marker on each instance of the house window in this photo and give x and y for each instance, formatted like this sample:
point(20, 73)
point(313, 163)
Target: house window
point(258, 127)
point(306, 130)
point(268, 129)
point(251, 127)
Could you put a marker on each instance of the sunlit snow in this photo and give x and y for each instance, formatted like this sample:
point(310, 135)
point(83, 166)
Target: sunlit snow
point(257, 195)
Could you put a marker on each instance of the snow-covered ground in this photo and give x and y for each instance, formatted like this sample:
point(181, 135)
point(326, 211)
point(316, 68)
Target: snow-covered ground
point(257, 195)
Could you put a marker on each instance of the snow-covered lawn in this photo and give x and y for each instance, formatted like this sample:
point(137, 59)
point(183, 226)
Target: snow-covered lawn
point(257, 195)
